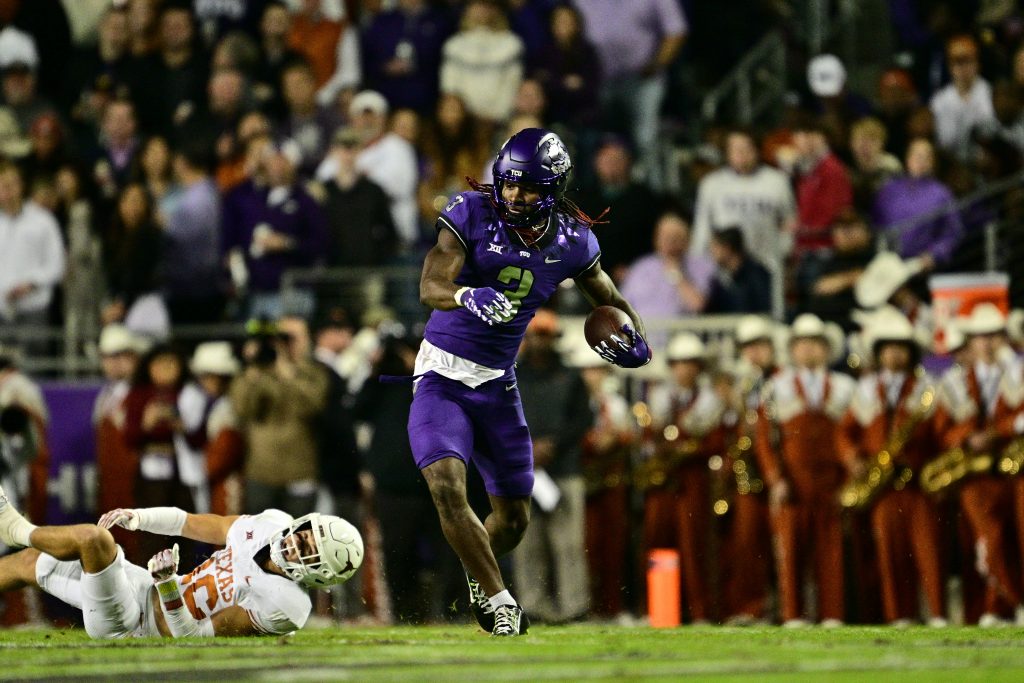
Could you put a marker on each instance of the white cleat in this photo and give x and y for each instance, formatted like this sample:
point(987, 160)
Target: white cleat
point(989, 620)
point(900, 623)
point(937, 622)
point(795, 623)
point(832, 623)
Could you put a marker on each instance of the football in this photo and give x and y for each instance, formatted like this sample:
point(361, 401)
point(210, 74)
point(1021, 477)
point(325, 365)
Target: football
point(603, 322)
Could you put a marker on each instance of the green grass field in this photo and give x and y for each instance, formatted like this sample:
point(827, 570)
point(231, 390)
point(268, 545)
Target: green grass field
point(460, 653)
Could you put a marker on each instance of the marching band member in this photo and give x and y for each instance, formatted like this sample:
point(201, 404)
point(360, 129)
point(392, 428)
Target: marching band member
point(802, 406)
point(980, 411)
point(891, 412)
point(687, 414)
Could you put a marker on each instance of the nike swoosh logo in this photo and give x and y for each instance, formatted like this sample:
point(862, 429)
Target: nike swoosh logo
point(548, 259)
point(510, 387)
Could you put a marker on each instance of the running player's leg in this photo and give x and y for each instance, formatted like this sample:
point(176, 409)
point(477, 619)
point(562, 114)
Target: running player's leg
point(18, 570)
point(441, 437)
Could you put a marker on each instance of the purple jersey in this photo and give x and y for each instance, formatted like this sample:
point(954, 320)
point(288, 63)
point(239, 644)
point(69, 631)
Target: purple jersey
point(497, 258)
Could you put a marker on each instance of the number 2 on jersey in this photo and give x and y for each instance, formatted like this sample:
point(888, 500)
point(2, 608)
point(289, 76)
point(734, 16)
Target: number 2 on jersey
point(510, 274)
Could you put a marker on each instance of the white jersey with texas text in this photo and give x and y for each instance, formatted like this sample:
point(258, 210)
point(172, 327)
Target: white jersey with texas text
point(276, 605)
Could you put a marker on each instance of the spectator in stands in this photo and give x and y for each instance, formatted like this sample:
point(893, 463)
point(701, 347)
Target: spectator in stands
point(897, 100)
point(836, 104)
point(98, 69)
point(918, 195)
point(278, 399)
point(741, 284)
point(170, 84)
point(672, 281)
point(822, 187)
point(116, 465)
point(19, 66)
point(569, 70)
point(331, 47)
point(483, 62)
point(636, 41)
point(49, 150)
point(753, 196)
point(233, 169)
point(965, 104)
point(213, 125)
point(276, 225)
point(132, 249)
point(212, 366)
point(151, 423)
point(31, 258)
point(454, 145)
point(119, 143)
point(47, 22)
point(387, 160)
point(872, 165)
point(632, 203)
point(143, 27)
point(155, 172)
point(549, 564)
point(362, 232)
point(190, 260)
point(406, 124)
point(221, 18)
point(306, 122)
point(275, 54)
point(831, 295)
point(401, 51)
point(237, 50)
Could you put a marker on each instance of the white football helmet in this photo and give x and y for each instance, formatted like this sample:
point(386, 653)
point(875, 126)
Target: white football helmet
point(339, 551)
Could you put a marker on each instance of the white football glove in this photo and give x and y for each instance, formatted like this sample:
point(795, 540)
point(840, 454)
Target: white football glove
point(122, 517)
point(164, 565)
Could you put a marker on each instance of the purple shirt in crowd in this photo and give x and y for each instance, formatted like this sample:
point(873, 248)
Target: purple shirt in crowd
point(903, 199)
point(627, 33)
point(497, 258)
point(654, 295)
point(291, 212)
point(191, 258)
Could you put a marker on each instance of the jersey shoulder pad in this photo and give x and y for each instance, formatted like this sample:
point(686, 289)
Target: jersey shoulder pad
point(256, 530)
point(464, 215)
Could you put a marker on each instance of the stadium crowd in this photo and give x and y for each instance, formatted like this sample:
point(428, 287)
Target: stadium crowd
point(166, 163)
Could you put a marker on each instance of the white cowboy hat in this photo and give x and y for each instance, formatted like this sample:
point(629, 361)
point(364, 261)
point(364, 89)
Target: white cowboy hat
point(985, 318)
point(810, 326)
point(214, 358)
point(685, 346)
point(886, 273)
point(889, 324)
point(953, 335)
point(116, 338)
point(751, 328)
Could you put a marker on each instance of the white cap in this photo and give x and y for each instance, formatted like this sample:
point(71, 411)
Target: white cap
point(116, 338)
point(368, 100)
point(985, 318)
point(17, 47)
point(826, 75)
point(685, 346)
point(214, 358)
point(886, 273)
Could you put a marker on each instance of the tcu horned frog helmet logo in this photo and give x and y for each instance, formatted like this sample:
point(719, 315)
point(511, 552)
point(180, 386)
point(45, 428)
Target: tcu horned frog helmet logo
point(554, 148)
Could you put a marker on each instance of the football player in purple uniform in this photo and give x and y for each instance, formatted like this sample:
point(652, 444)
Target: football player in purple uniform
point(501, 252)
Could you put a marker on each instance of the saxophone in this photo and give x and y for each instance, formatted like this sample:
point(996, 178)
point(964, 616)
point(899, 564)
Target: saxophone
point(952, 466)
point(654, 471)
point(881, 471)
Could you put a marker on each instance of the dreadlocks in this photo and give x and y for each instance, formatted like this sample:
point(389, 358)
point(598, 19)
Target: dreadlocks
point(565, 205)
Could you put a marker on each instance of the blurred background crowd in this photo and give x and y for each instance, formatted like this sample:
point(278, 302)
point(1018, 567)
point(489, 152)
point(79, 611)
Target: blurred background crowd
point(221, 206)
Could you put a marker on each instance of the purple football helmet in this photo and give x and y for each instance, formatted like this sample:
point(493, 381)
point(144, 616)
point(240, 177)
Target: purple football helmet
point(533, 156)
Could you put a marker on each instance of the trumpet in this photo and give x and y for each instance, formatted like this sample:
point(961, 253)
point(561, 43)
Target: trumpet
point(881, 471)
point(951, 467)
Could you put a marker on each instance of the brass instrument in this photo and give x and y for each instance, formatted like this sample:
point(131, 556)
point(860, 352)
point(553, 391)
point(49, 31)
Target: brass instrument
point(881, 471)
point(1012, 459)
point(605, 471)
point(655, 470)
point(952, 466)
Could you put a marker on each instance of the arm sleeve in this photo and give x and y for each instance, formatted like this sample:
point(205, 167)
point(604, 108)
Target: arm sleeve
point(591, 254)
point(50, 269)
point(456, 217)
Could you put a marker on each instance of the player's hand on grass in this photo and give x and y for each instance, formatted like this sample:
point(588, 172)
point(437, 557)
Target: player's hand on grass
point(122, 517)
point(164, 565)
point(486, 303)
point(627, 349)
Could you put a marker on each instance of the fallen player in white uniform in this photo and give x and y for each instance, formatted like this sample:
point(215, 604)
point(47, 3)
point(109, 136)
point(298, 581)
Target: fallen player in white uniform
point(256, 585)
